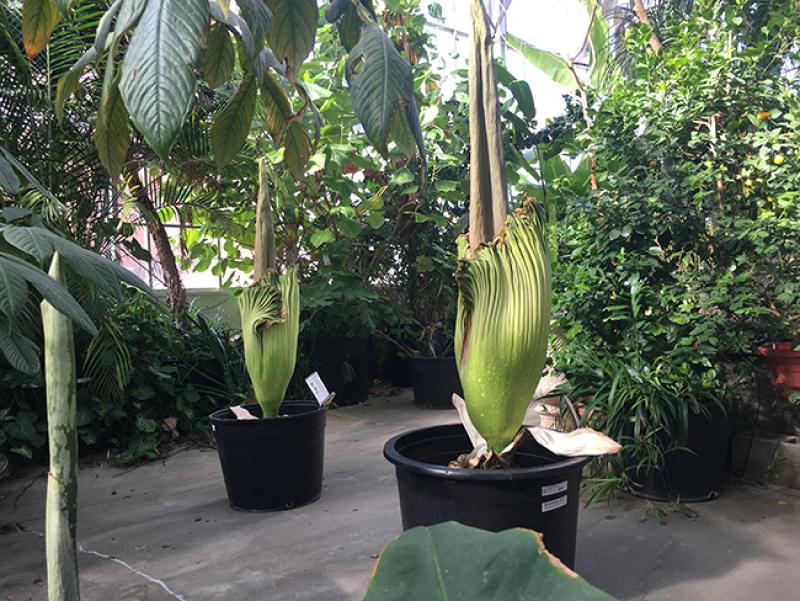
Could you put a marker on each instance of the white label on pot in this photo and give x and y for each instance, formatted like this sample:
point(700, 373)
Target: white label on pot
point(554, 489)
point(317, 387)
point(554, 504)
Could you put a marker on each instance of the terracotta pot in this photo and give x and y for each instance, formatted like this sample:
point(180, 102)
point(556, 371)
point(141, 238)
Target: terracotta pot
point(784, 363)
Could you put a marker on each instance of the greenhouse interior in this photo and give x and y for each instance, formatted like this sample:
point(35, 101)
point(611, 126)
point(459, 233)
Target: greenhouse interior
point(394, 300)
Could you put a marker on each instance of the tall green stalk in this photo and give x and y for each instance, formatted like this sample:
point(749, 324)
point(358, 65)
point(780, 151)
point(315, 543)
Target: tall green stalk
point(62, 480)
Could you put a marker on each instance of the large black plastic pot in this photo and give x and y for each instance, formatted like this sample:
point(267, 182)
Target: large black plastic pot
point(275, 463)
point(396, 369)
point(542, 493)
point(345, 365)
point(434, 381)
point(692, 472)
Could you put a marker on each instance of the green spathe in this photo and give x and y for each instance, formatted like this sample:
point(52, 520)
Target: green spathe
point(502, 325)
point(270, 313)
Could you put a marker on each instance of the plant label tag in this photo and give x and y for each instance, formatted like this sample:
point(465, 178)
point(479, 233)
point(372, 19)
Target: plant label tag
point(554, 504)
point(554, 489)
point(317, 387)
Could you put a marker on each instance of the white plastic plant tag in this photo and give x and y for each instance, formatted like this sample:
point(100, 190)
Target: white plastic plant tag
point(554, 489)
point(318, 389)
point(556, 503)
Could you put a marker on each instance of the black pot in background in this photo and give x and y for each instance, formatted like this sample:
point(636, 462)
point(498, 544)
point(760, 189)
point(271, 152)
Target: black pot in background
point(434, 381)
point(275, 463)
point(396, 368)
point(345, 366)
point(542, 494)
point(695, 472)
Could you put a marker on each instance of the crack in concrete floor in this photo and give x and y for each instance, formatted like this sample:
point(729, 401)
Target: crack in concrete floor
point(81, 549)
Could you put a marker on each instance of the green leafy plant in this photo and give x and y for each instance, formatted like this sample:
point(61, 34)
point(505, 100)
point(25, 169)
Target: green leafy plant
point(469, 563)
point(686, 256)
point(156, 81)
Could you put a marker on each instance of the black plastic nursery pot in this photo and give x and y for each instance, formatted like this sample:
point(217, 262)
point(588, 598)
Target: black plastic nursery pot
point(345, 366)
point(396, 369)
point(275, 463)
point(696, 471)
point(434, 381)
point(540, 493)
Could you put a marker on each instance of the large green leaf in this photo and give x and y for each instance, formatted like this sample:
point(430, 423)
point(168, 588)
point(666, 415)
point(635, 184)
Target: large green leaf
point(547, 62)
point(39, 19)
point(13, 292)
point(238, 27)
point(277, 109)
point(55, 293)
point(104, 26)
point(8, 179)
point(94, 268)
point(128, 16)
point(158, 80)
point(69, 83)
point(22, 170)
point(348, 21)
point(20, 352)
point(296, 149)
point(29, 240)
point(294, 27)
point(599, 42)
point(380, 83)
point(112, 134)
point(219, 56)
point(232, 124)
point(258, 17)
point(450, 562)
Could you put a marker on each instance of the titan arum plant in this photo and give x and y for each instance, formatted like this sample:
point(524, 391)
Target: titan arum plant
point(503, 275)
point(270, 312)
point(27, 246)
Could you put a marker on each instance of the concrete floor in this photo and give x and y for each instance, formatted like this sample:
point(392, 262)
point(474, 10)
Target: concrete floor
point(164, 531)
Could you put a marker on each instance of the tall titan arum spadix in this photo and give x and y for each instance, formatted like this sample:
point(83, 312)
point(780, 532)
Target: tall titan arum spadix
point(270, 312)
point(503, 272)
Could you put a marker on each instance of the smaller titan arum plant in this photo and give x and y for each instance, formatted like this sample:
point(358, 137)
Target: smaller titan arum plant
point(270, 312)
point(503, 276)
point(27, 247)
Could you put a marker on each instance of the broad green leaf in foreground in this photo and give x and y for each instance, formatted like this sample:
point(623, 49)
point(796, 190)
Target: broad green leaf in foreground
point(450, 561)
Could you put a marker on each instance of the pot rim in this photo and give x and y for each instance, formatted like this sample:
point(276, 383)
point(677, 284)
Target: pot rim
point(426, 359)
point(393, 455)
point(216, 417)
